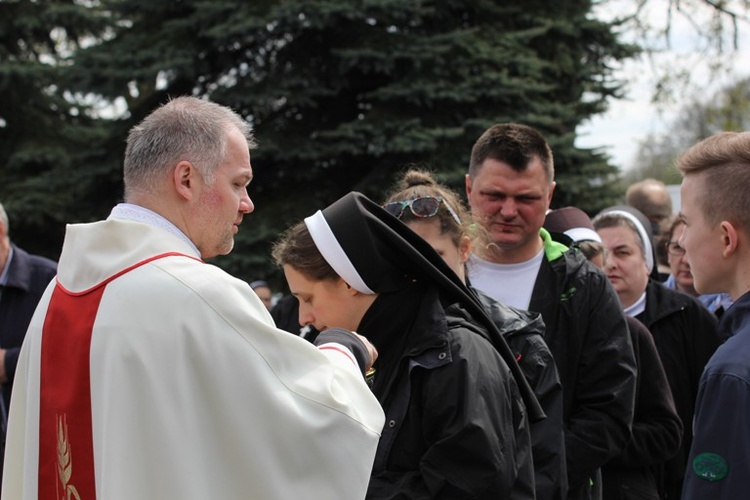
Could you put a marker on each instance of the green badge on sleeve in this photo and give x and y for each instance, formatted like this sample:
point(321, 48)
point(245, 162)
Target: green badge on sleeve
point(710, 466)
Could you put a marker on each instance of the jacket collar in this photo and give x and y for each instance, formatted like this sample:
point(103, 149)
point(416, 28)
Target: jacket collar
point(736, 318)
point(661, 302)
point(17, 269)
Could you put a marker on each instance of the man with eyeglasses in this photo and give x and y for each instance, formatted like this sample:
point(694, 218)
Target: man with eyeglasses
point(509, 187)
point(681, 278)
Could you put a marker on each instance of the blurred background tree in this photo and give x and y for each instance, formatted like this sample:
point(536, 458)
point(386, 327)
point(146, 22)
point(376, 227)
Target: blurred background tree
point(47, 141)
point(728, 109)
point(343, 94)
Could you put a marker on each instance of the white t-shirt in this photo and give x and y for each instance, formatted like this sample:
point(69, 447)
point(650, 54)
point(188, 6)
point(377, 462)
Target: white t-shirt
point(511, 284)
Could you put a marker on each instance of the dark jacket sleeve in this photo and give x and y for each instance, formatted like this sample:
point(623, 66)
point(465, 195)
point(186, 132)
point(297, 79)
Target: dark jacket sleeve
point(598, 427)
point(524, 332)
point(547, 436)
point(29, 276)
point(657, 429)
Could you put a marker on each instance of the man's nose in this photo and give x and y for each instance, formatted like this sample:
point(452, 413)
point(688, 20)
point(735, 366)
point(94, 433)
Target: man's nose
point(509, 209)
point(246, 204)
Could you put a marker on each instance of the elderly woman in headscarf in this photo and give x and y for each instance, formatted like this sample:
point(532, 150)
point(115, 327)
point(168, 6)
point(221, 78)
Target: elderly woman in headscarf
point(684, 331)
point(457, 406)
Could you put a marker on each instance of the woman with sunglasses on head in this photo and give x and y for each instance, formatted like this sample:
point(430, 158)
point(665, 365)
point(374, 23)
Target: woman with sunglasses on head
point(456, 410)
point(435, 213)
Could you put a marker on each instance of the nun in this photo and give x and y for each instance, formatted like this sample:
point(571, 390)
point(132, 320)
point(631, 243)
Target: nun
point(684, 331)
point(457, 406)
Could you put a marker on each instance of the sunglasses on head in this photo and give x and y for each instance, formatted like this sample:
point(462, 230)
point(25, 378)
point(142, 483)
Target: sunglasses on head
point(426, 206)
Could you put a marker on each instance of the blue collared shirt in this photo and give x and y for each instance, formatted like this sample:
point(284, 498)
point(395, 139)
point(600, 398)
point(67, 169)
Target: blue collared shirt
point(712, 301)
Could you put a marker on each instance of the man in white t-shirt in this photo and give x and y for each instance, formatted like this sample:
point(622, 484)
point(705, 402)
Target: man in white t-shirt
point(509, 187)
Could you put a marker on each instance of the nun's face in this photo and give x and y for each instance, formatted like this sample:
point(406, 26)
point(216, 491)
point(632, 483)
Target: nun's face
point(328, 303)
point(624, 263)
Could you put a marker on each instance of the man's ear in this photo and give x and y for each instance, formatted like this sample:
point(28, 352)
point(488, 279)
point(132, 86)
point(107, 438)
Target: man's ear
point(468, 185)
point(184, 177)
point(729, 238)
point(551, 192)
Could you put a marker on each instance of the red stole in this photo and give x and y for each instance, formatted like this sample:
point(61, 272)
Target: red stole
point(66, 450)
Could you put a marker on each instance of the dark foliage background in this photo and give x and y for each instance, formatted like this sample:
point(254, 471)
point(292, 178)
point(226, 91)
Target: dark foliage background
point(342, 94)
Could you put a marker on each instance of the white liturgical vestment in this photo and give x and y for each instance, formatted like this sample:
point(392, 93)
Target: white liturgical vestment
point(149, 374)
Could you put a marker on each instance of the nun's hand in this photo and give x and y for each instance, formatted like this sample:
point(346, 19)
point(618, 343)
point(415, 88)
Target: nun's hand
point(361, 348)
point(370, 350)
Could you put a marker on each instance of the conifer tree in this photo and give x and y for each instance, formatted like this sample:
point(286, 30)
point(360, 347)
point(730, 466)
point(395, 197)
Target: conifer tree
point(343, 94)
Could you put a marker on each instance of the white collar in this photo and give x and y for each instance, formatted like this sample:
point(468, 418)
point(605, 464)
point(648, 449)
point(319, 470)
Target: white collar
point(137, 213)
point(637, 307)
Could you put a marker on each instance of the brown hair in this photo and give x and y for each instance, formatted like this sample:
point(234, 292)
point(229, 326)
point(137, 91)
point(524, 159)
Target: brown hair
point(675, 221)
point(724, 161)
point(296, 248)
point(416, 183)
point(514, 144)
point(589, 248)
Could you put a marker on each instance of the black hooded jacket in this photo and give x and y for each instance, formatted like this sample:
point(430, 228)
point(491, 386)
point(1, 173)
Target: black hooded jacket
point(455, 421)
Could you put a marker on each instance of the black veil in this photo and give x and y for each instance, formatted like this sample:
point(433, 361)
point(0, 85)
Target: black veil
point(387, 255)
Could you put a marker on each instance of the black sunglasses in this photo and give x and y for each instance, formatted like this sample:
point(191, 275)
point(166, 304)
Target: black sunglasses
point(426, 206)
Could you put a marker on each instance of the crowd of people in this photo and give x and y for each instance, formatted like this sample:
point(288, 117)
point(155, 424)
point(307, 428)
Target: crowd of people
point(428, 348)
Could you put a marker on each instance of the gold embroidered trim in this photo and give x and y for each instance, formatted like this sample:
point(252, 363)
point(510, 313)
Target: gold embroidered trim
point(65, 459)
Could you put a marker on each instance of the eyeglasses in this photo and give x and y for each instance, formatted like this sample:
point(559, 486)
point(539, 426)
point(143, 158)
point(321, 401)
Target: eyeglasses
point(426, 206)
point(674, 248)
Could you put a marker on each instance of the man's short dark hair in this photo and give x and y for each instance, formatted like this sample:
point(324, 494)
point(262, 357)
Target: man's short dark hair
point(514, 144)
